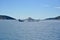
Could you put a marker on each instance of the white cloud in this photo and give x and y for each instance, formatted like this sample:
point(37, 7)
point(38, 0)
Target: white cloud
point(57, 7)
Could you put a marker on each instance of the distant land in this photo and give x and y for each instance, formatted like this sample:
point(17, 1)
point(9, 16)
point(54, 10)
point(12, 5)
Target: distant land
point(29, 19)
point(54, 18)
point(4, 17)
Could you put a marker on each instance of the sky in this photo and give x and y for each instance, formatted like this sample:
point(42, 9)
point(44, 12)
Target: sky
point(38, 9)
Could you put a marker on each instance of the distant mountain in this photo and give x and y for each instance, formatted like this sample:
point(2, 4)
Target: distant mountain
point(55, 18)
point(29, 19)
point(4, 17)
point(20, 20)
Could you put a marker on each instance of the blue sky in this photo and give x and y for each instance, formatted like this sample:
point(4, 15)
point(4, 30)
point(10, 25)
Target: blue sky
point(30, 8)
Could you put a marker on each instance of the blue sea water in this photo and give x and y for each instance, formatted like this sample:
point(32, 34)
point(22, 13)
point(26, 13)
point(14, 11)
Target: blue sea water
point(43, 30)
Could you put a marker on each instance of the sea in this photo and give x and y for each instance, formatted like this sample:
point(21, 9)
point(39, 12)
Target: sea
point(43, 30)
